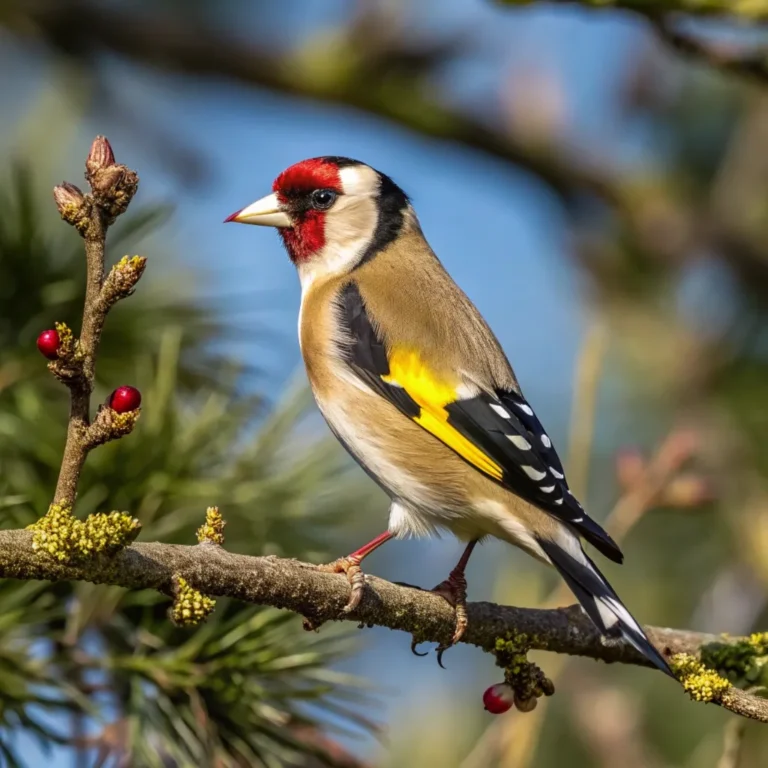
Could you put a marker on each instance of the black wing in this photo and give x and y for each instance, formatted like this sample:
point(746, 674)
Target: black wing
point(505, 427)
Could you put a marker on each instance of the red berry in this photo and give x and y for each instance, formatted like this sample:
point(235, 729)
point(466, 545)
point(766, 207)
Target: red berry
point(48, 344)
point(498, 698)
point(124, 399)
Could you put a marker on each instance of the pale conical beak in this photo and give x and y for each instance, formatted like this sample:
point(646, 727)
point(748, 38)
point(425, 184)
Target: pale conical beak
point(265, 212)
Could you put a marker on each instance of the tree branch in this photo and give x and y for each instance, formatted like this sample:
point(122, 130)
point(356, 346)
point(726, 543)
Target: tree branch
point(383, 78)
point(744, 10)
point(745, 61)
point(320, 596)
point(81, 384)
point(112, 188)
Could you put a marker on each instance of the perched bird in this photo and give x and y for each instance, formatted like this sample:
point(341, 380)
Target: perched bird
point(415, 385)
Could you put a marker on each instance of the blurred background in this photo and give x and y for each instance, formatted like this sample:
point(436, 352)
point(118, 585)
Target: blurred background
point(602, 200)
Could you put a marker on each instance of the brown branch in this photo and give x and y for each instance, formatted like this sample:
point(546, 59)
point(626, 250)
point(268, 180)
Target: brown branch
point(380, 77)
point(81, 385)
point(741, 10)
point(112, 188)
point(750, 62)
point(305, 590)
point(385, 78)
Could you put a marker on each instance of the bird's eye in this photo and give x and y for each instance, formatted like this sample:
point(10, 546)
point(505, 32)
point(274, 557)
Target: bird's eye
point(323, 199)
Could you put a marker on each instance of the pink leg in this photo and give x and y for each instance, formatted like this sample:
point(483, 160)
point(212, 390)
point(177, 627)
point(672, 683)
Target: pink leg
point(351, 566)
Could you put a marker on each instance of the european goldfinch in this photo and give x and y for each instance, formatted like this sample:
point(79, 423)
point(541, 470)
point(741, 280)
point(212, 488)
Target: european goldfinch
point(415, 385)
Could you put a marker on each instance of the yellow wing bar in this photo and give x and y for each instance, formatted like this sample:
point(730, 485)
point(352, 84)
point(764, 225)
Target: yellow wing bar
point(432, 395)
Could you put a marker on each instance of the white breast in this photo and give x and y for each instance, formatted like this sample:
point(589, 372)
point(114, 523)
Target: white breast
point(368, 450)
point(418, 509)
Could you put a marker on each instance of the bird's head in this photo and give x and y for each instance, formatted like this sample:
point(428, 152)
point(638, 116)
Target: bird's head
point(332, 213)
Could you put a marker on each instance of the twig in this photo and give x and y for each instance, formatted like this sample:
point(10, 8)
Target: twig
point(749, 10)
point(112, 188)
point(76, 450)
point(666, 462)
point(589, 367)
point(733, 739)
point(305, 590)
point(170, 42)
point(388, 83)
point(749, 62)
point(380, 86)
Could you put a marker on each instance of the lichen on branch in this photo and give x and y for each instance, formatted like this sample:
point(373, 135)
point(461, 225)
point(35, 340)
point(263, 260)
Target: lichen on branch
point(526, 679)
point(698, 681)
point(60, 535)
point(190, 606)
point(213, 529)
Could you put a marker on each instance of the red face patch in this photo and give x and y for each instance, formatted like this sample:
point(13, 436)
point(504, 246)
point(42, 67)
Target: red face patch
point(306, 176)
point(294, 187)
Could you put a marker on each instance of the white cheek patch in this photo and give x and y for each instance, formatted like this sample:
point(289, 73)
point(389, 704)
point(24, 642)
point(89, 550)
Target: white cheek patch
point(359, 181)
point(349, 227)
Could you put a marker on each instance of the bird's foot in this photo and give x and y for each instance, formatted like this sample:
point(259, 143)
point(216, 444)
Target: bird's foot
point(454, 590)
point(350, 566)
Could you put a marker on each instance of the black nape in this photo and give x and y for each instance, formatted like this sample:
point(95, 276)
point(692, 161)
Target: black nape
point(392, 202)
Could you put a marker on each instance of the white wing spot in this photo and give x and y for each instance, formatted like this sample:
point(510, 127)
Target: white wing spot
point(547, 488)
point(558, 475)
point(503, 413)
point(525, 408)
point(578, 519)
point(558, 501)
point(546, 442)
point(534, 474)
point(570, 493)
point(520, 442)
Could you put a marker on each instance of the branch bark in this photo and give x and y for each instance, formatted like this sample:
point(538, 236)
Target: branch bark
point(76, 447)
point(112, 188)
point(305, 590)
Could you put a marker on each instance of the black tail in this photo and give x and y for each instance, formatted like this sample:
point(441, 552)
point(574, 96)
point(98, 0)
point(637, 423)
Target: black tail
point(600, 602)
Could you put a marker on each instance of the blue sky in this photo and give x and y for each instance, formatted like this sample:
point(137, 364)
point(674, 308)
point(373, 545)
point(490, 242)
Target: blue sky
point(498, 234)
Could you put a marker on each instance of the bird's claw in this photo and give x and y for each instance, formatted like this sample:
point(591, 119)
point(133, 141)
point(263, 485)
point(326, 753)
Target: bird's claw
point(454, 591)
point(351, 567)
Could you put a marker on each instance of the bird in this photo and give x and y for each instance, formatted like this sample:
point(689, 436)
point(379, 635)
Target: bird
point(417, 388)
